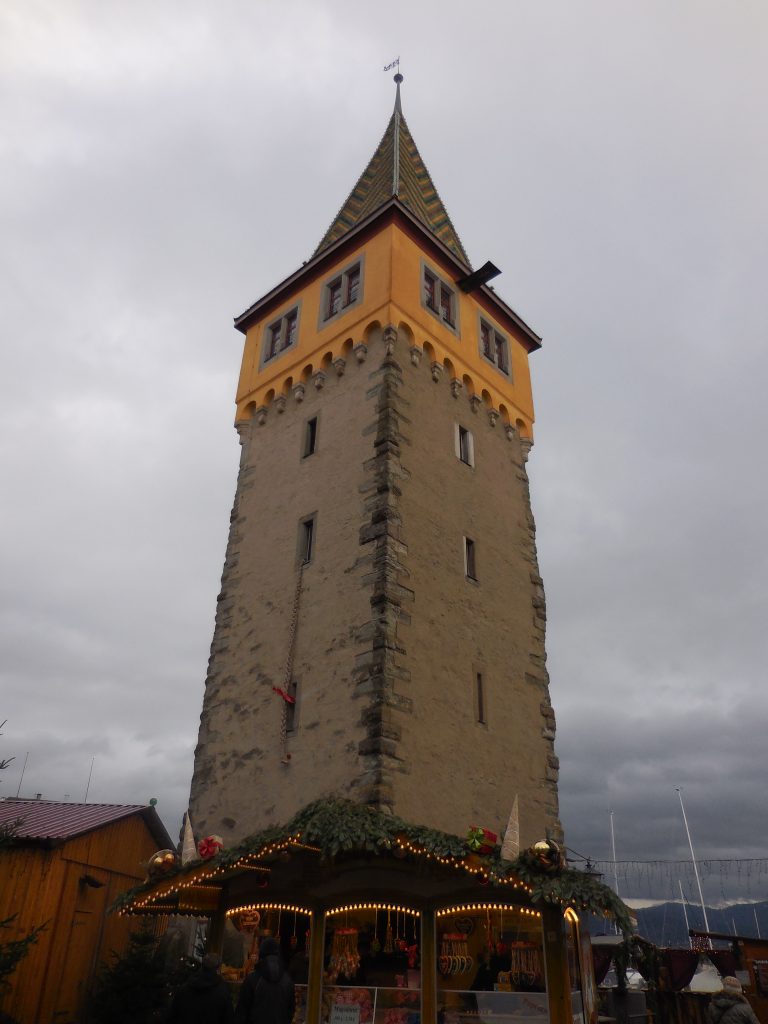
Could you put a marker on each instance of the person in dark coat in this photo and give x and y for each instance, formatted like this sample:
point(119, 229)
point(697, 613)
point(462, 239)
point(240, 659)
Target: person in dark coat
point(204, 999)
point(267, 996)
point(730, 1006)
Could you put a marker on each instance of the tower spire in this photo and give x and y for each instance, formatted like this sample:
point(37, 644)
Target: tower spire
point(396, 171)
point(397, 117)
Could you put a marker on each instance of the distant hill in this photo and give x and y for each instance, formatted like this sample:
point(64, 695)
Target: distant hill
point(665, 924)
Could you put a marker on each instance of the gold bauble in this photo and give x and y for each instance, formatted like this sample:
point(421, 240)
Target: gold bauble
point(162, 862)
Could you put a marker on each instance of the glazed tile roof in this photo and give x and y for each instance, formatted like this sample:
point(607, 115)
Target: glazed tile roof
point(43, 820)
point(396, 170)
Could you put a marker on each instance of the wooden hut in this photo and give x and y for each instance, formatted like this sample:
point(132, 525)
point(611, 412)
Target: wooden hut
point(70, 862)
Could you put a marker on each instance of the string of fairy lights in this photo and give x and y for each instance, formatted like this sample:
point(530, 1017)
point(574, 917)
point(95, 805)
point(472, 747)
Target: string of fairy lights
point(250, 908)
point(660, 879)
point(473, 908)
point(206, 880)
point(209, 873)
point(389, 907)
point(212, 875)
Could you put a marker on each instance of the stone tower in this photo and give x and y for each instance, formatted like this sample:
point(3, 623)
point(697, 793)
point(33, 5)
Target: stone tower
point(380, 628)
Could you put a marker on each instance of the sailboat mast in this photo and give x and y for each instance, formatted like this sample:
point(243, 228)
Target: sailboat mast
point(685, 914)
point(615, 868)
point(693, 861)
point(613, 854)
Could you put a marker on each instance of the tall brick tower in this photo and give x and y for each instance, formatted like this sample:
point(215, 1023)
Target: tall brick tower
point(380, 628)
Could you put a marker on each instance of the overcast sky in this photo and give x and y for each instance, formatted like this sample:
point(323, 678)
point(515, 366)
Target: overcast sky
point(164, 164)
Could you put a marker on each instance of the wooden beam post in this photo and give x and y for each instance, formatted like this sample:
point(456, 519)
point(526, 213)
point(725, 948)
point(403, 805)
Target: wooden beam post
point(556, 958)
point(315, 976)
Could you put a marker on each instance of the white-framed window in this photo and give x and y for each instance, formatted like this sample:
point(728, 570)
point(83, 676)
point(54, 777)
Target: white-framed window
point(341, 292)
point(465, 445)
point(438, 297)
point(280, 335)
point(494, 347)
point(470, 559)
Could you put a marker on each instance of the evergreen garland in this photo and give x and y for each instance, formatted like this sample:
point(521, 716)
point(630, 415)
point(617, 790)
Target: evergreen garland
point(339, 827)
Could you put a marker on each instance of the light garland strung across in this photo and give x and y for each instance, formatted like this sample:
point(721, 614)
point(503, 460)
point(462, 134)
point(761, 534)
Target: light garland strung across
point(406, 846)
point(373, 906)
point(506, 908)
point(213, 872)
point(211, 875)
point(250, 907)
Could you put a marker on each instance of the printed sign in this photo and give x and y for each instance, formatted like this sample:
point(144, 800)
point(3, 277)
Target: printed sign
point(344, 1013)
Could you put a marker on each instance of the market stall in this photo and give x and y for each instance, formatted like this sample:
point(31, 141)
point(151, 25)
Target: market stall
point(383, 922)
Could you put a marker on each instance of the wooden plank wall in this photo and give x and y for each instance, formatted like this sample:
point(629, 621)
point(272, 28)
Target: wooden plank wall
point(53, 982)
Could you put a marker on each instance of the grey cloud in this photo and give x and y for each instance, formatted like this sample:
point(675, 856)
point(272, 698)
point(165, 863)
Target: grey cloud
point(164, 166)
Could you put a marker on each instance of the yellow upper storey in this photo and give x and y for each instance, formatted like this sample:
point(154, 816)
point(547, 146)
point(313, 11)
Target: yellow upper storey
point(337, 307)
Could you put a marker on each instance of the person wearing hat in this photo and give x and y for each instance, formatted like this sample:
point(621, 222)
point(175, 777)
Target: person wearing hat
point(267, 995)
point(204, 999)
point(730, 1006)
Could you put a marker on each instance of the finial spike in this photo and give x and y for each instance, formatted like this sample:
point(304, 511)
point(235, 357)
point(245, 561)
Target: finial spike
point(398, 79)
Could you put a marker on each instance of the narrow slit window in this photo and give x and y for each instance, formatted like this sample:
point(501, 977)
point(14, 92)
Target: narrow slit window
point(290, 707)
point(465, 446)
point(480, 698)
point(307, 540)
point(469, 559)
point(310, 437)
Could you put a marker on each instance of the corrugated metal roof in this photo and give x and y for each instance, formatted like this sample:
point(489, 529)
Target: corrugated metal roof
point(51, 820)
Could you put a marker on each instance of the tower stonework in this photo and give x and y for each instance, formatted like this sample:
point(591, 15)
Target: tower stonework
point(380, 629)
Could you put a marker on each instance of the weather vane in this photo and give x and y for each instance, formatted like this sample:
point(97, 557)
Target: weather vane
point(395, 64)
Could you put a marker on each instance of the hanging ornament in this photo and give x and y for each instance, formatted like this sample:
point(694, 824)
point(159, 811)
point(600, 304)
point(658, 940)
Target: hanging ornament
point(454, 955)
point(345, 958)
point(481, 840)
point(501, 946)
point(389, 945)
point(548, 855)
point(161, 863)
point(210, 846)
point(246, 921)
point(401, 944)
point(375, 944)
point(294, 940)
